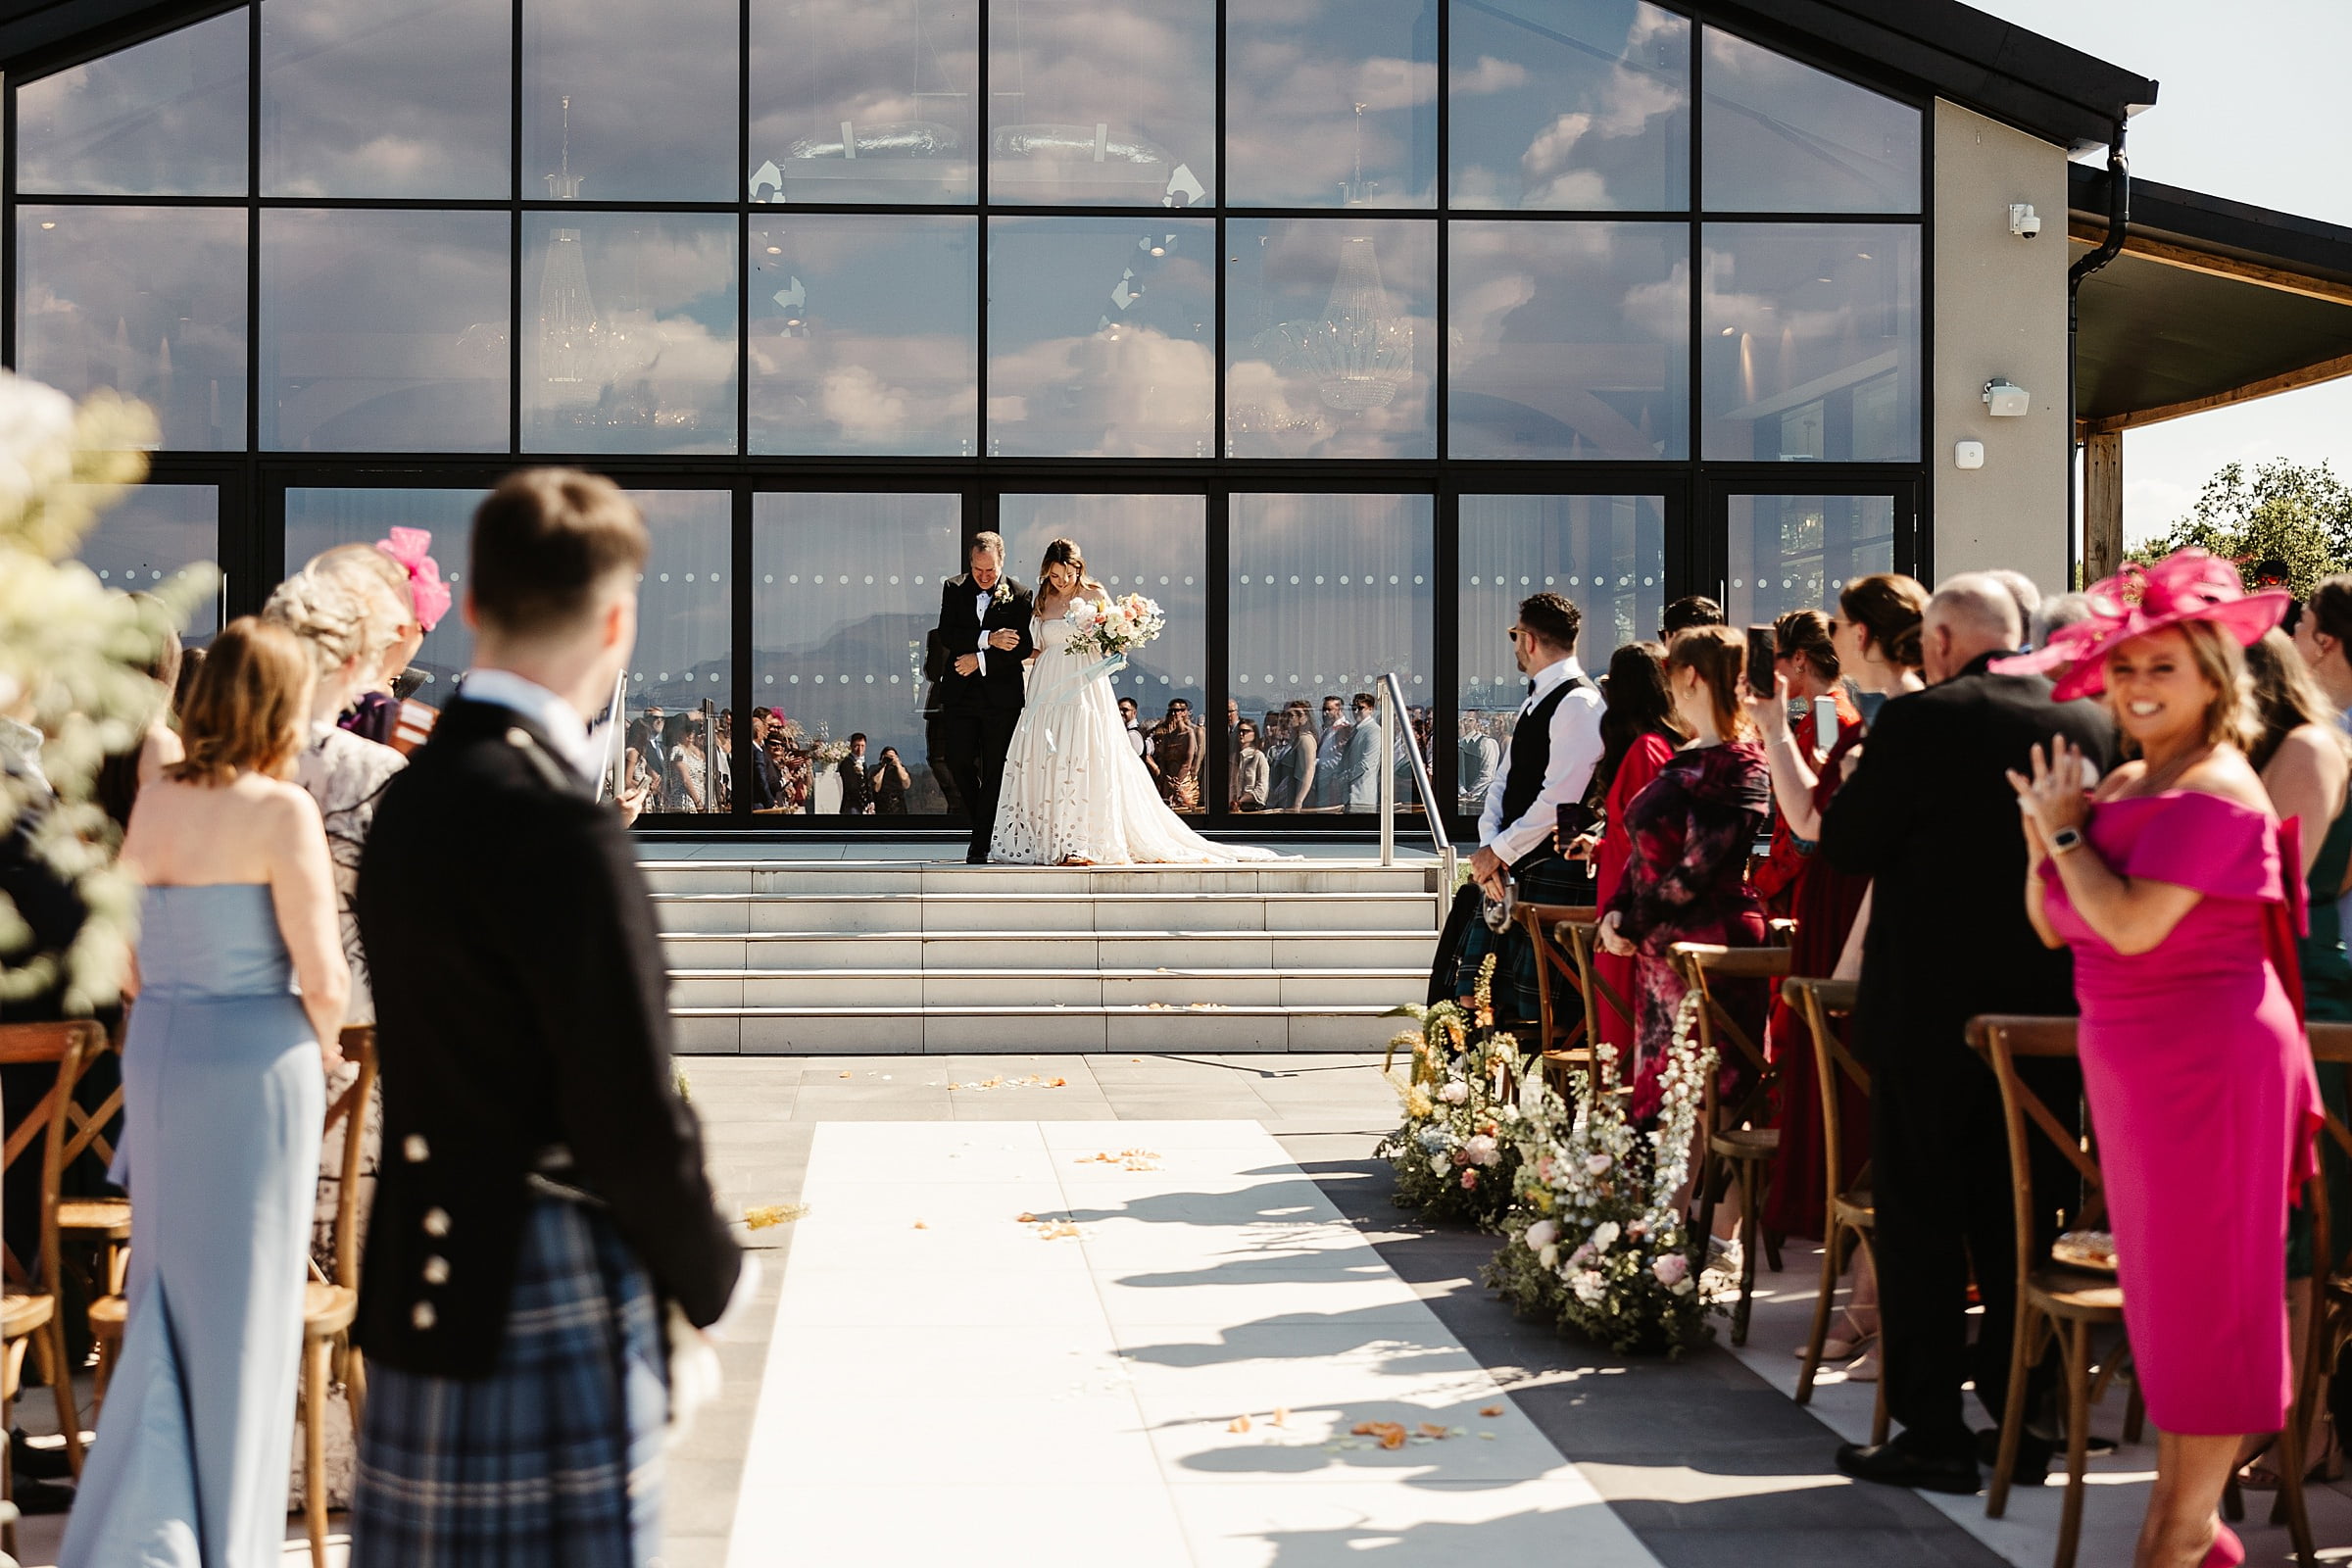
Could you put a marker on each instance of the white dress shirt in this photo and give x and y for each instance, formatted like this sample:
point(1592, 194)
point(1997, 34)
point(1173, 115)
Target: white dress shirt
point(552, 713)
point(1575, 751)
point(980, 602)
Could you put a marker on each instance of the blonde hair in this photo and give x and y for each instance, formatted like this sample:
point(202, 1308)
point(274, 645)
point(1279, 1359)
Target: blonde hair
point(331, 621)
point(247, 707)
point(2232, 717)
point(1720, 655)
point(378, 582)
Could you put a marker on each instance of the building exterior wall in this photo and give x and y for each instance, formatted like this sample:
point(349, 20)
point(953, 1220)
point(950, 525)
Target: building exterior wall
point(1999, 310)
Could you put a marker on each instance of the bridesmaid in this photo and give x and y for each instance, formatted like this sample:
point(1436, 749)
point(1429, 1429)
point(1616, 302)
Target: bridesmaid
point(223, 1098)
point(1637, 737)
point(2167, 884)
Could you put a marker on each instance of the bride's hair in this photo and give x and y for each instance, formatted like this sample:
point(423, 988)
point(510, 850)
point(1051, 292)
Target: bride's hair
point(1066, 552)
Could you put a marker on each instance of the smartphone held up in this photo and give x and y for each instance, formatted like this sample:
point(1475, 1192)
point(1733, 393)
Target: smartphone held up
point(1762, 648)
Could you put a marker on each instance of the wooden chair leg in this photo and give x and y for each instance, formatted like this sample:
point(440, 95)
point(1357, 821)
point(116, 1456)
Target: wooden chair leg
point(2291, 1491)
point(2234, 1501)
point(1772, 1238)
point(61, 1382)
point(313, 1439)
point(1750, 1208)
point(2135, 1412)
point(1709, 1177)
point(355, 1389)
point(2075, 1337)
point(1829, 1249)
point(2013, 1408)
point(8, 1458)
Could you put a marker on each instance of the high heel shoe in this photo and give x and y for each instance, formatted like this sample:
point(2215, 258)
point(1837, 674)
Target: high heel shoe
point(2226, 1550)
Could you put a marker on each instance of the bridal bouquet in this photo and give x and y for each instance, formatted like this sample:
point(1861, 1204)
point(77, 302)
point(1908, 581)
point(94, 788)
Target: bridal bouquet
point(1594, 1239)
point(1456, 1153)
point(1101, 629)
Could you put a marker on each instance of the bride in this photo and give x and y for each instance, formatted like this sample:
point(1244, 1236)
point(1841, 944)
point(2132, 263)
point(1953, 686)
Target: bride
point(1075, 793)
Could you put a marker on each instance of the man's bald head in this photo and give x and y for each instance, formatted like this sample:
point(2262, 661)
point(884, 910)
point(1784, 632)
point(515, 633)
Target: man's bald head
point(1971, 616)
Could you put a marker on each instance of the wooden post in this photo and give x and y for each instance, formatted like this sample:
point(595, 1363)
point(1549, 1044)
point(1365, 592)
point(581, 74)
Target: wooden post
point(2103, 505)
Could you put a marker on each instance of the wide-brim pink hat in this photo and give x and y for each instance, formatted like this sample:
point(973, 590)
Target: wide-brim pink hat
point(2186, 585)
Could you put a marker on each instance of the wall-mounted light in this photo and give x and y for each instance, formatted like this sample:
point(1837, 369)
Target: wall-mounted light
point(2006, 399)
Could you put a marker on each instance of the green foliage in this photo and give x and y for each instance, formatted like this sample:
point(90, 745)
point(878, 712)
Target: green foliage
point(2298, 516)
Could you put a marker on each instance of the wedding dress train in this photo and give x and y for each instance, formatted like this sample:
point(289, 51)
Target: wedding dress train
point(1074, 786)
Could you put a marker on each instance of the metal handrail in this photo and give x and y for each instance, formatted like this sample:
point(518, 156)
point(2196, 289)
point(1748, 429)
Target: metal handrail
point(1392, 708)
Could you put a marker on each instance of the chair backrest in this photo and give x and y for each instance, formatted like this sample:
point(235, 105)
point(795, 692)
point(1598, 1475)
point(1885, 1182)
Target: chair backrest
point(2003, 1041)
point(49, 1120)
point(2329, 1043)
point(1582, 938)
point(1701, 962)
point(1554, 966)
point(1817, 1002)
point(350, 1109)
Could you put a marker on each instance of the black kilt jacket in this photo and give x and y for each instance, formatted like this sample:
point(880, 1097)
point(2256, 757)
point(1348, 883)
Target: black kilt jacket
point(521, 1009)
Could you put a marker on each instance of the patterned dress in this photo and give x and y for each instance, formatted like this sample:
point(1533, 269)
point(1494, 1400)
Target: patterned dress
point(1692, 829)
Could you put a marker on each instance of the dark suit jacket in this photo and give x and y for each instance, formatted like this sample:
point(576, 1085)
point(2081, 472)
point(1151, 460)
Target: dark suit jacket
point(959, 633)
point(857, 784)
point(1930, 816)
point(522, 1004)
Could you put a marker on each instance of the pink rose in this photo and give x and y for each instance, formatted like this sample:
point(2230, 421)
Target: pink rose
point(1469, 1180)
point(1671, 1269)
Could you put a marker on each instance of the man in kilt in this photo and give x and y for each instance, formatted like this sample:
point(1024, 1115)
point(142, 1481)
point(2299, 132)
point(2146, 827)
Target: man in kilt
point(542, 1202)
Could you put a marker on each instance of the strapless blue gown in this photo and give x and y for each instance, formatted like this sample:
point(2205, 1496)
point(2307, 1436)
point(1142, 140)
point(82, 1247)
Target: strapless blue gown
point(223, 1098)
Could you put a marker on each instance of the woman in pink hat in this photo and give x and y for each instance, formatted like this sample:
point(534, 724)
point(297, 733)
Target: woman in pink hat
point(2170, 884)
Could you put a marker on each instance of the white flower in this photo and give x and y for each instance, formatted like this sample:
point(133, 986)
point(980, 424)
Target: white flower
point(1542, 1234)
point(1549, 1256)
point(1598, 1163)
point(1671, 1268)
point(1482, 1150)
point(1454, 1091)
point(1604, 1236)
point(1590, 1287)
point(1440, 1164)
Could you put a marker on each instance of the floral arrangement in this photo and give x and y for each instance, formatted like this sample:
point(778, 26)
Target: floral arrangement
point(72, 659)
point(1594, 1239)
point(830, 753)
point(1110, 628)
point(1457, 1153)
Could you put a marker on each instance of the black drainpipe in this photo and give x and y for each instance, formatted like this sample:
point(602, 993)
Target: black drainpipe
point(2118, 220)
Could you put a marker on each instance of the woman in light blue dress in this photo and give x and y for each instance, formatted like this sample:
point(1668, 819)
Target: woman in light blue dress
point(224, 1095)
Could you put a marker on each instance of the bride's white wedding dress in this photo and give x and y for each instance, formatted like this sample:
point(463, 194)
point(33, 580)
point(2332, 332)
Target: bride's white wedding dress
point(1073, 785)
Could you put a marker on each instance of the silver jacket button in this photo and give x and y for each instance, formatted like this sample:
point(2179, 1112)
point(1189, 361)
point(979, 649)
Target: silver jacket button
point(416, 1148)
point(436, 1270)
point(422, 1315)
point(436, 1222)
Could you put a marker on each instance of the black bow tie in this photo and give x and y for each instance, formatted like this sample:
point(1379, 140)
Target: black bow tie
point(1530, 688)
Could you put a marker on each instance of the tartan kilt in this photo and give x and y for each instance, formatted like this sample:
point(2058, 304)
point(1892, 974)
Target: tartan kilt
point(554, 1459)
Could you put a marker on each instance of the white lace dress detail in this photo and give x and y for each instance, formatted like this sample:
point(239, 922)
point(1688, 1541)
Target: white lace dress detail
point(1073, 785)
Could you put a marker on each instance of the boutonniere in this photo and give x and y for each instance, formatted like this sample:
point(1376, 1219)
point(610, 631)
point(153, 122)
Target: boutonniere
point(1002, 593)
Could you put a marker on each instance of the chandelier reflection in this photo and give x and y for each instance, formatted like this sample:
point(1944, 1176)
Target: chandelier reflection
point(1361, 350)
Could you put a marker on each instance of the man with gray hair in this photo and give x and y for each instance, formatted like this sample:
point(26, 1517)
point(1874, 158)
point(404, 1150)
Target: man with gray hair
point(2021, 588)
point(1929, 814)
point(2056, 615)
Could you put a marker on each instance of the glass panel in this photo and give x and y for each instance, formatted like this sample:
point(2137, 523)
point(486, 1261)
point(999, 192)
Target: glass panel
point(387, 98)
point(865, 335)
point(1136, 380)
point(149, 301)
point(152, 535)
point(1103, 102)
point(318, 520)
point(1797, 552)
point(1575, 105)
point(630, 103)
point(1331, 104)
point(383, 331)
point(630, 332)
point(1783, 137)
point(163, 118)
point(1809, 339)
point(863, 100)
point(685, 647)
point(847, 595)
point(1606, 554)
point(1329, 593)
point(1150, 545)
point(1569, 340)
point(1331, 338)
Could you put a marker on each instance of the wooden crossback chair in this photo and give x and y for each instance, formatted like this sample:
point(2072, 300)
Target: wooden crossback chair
point(1564, 1014)
point(29, 1312)
point(1850, 1214)
point(99, 1225)
point(1739, 1143)
point(1582, 938)
point(2054, 1300)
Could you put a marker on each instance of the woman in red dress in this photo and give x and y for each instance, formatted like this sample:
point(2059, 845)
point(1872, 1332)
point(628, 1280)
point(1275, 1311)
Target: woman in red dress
point(1636, 736)
point(1819, 714)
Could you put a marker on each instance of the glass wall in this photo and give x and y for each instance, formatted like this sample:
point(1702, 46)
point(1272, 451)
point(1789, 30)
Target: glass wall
point(320, 519)
point(1795, 551)
point(151, 535)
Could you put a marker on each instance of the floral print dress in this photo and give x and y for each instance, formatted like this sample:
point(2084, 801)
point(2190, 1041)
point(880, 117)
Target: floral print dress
point(1694, 829)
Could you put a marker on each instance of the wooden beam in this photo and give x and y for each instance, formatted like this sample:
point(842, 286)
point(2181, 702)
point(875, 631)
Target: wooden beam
point(2103, 505)
point(2271, 386)
point(2211, 265)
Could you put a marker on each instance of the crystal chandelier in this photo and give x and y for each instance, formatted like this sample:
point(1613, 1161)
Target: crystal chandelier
point(1360, 351)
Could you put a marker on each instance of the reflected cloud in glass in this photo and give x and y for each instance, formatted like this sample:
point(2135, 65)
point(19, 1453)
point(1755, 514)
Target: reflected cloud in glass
point(1101, 330)
point(1783, 137)
point(383, 331)
point(320, 519)
point(1569, 340)
point(387, 98)
point(151, 534)
point(1798, 551)
point(1331, 103)
point(1809, 342)
point(864, 335)
point(163, 118)
point(1103, 103)
point(1570, 105)
point(149, 301)
point(846, 590)
point(1331, 338)
point(863, 101)
point(629, 333)
point(653, 94)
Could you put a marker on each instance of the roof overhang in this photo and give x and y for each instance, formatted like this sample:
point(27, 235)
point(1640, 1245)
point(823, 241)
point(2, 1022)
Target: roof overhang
point(2210, 302)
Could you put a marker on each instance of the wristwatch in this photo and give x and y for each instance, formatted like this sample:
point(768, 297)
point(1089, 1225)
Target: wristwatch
point(2066, 841)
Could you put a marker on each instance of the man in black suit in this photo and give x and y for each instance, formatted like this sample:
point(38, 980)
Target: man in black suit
point(984, 640)
point(542, 1192)
point(1929, 814)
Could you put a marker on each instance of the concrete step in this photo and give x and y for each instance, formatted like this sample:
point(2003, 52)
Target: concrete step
point(945, 1030)
point(1174, 948)
point(903, 877)
point(722, 990)
point(727, 914)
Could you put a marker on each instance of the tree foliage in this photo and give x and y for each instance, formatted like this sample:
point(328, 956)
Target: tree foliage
point(2294, 521)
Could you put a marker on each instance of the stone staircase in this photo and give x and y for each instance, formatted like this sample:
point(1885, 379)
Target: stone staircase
point(893, 957)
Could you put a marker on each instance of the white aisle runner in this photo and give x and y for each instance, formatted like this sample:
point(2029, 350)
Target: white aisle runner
point(948, 1384)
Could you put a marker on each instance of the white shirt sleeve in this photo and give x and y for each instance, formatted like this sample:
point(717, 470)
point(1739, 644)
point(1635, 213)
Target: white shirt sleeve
point(982, 643)
point(1490, 816)
point(1574, 752)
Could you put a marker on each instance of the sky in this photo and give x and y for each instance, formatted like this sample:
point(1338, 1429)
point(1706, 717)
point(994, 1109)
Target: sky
point(2253, 113)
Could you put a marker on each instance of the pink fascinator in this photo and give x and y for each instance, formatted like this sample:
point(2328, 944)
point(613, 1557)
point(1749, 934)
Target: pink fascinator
point(407, 547)
point(2186, 585)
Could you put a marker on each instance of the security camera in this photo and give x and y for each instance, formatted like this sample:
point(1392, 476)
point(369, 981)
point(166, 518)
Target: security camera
point(2022, 221)
point(2005, 398)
